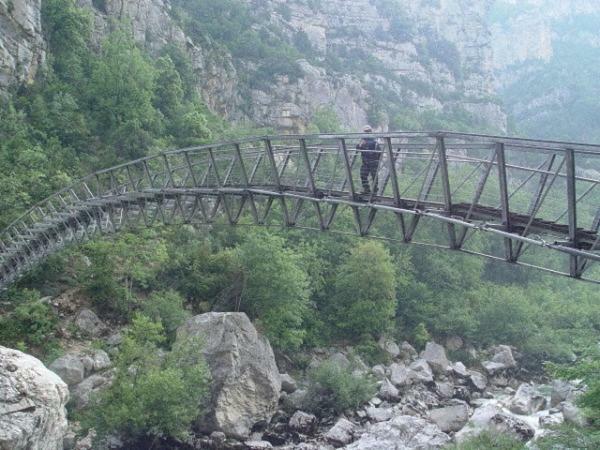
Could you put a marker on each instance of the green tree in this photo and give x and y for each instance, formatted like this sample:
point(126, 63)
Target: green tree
point(151, 396)
point(167, 308)
point(365, 292)
point(276, 288)
point(120, 95)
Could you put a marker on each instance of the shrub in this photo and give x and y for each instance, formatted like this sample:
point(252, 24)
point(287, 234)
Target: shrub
point(167, 308)
point(151, 395)
point(335, 389)
point(569, 437)
point(30, 323)
point(365, 292)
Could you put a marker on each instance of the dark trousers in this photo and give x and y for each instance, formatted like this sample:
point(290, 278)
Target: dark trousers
point(369, 168)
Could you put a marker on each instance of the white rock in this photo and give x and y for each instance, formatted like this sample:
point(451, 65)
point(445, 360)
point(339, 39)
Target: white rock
point(399, 375)
point(378, 372)
point(89, 323)
point(70, 368)
point(288, 384)
point(379, 414)
point(450, 418)
point(460, 369)
point(245, 382)
point(478, 380)
point(401, 433)
point(389, 392)
point(342, 433)
point(420, 371)
point(435, 355)
point(302, 422)
point(32, 404)
point(389, 346)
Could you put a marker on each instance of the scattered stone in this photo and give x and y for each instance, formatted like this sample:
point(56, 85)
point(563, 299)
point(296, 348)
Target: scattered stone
point(407, 351)
point(460, 369)
point(478, 380)
point(245, 385)
point(503, 359)
point(572, 414)
point(257, 445)
point(302, 422)
point(499, 380)
point(521, 402)
point(89, 323)
point(444, 389)
point(450, 418)
point(420, 371)
point(401, 432)
point(454, 343)
point(379, 414)
point(399, 375)
point(462, 393)
point(339, 359)
point(508, 424)
point(218, 437)
point(561, 391)
point(342, 433)
point(551, 420)
point(389, 392)
point(378, 372)
point(82, 392)
point(375, 401)
point(389, 346)
point(288, 384)
point(100, 360)
point(435, 355)
point(69, 368)
point(295, 400)
point(114, 339)
point(32, 404)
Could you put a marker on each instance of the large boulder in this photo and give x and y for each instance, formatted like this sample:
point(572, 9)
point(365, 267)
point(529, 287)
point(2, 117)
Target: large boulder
point(527, 400)
point(389, 347)
point(561, 391)
point(341, 433)
point(69, 368)
point(450, 418)
point(245, 385)
point(400, 375)
point(32, 404)
point(89, 323)
point(491, 418)
point(435, 355)
point(502, 359)
point(401, 433)
point(420, 371)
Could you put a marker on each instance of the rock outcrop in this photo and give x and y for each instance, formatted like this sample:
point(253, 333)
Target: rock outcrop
point(32, 404)
point(21, 43)
point(245, 384)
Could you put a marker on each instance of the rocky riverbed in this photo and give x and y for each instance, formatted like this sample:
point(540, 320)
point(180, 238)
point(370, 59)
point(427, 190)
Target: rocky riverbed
point(423, 400)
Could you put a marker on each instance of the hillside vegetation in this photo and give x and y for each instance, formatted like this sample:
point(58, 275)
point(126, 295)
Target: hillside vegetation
point(96, 106)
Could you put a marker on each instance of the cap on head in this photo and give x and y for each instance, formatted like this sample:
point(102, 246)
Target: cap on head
point(368, 129)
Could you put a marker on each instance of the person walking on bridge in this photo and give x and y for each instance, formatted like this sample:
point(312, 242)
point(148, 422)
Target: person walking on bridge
point(371, 153)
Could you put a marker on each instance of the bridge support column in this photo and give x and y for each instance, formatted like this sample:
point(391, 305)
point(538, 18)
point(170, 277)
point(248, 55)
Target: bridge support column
point(572, 213)
point(501, 159)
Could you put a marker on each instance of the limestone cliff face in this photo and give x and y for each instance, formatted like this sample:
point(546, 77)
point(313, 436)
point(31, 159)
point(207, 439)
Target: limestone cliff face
point(528, 30)
point(21, 43)
point(424, 55)
point(363, 56)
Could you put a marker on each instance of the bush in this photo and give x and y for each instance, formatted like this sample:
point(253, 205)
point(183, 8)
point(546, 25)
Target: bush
point(167, 308)
point(365, 292)
point(30, 324)
point(151, 395)
point(336, 389)
point(568, 437)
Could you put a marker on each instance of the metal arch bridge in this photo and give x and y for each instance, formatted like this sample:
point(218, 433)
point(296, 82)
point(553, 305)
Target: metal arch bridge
point(536, 202)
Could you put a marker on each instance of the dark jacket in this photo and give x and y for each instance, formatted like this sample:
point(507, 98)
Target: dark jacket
point(370, 144)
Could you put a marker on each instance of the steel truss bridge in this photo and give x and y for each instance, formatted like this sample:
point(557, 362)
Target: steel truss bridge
point(533, 203)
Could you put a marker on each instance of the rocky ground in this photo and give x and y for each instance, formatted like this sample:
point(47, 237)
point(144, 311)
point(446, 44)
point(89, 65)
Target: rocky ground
point(424, 400)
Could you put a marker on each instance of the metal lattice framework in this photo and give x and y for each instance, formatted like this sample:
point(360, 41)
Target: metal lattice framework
point(535, 202)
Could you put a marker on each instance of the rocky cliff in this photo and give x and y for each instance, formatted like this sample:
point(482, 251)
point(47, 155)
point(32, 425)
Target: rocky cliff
point(21, 43)
point(546, 53)
point(368, 60)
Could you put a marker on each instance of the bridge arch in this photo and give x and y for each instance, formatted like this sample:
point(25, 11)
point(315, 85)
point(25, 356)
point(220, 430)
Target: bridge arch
point(537, 202)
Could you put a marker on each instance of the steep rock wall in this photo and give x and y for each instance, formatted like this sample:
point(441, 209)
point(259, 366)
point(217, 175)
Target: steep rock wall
point(21, 43)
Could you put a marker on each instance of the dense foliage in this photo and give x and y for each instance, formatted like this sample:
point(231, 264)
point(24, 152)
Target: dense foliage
point(152, 394)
